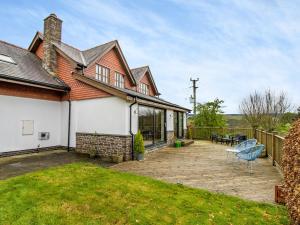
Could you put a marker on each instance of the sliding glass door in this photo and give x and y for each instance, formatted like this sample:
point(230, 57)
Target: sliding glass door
point(175, 116)
point(159, 126)
point(146, 124)
point(152, 124)
point(178, 124)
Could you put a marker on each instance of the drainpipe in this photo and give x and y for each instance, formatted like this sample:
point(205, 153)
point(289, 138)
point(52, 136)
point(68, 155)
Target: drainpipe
point(69, 125)
point(130, 128)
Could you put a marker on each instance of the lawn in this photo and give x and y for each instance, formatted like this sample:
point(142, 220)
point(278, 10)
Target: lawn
point(83, 193)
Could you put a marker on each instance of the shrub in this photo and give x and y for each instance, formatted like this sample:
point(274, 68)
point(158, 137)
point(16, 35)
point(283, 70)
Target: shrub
point(139, 143)
point(291, 171)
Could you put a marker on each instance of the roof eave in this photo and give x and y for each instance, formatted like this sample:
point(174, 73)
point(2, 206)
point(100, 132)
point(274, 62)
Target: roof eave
point(10, 79)
point(124, 95)
point(35, 42)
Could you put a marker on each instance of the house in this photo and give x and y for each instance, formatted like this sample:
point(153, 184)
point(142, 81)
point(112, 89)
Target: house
point(53, 95)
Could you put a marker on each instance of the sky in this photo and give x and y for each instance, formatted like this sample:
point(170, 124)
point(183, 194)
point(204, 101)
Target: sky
point(234, 47)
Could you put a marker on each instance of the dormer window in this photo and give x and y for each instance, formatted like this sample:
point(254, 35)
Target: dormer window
point(119, 80)
point(102, 73)
point(144, 89)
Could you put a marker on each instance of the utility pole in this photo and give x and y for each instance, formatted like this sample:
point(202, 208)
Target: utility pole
point(193, 98)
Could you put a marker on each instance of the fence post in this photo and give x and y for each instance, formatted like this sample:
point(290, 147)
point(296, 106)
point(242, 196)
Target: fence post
point(273, 148)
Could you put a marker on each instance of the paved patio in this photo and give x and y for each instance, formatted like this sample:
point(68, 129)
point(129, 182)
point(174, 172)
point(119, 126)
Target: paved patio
point(205, 165)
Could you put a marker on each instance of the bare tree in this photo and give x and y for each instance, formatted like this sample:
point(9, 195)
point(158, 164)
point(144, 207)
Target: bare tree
point(265, 109)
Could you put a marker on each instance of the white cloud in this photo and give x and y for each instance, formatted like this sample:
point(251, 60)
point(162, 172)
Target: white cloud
point(234, 47)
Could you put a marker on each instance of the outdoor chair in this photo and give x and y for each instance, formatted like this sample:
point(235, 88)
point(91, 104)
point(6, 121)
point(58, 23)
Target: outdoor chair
point(250, 155)
point(241, 146)
point(226, 139)
point(215, 137)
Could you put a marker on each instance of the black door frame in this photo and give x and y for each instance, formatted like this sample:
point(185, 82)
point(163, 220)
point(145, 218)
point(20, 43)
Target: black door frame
point(153, 126)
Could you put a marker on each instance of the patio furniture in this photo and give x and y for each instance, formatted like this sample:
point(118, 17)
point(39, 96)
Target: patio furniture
point(250, 155)
point(241, 146)
point(215, 137)
point(238, 139)
point(226, 139)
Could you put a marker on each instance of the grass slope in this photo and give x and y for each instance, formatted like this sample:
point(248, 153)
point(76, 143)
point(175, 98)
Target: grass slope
point(82, 193)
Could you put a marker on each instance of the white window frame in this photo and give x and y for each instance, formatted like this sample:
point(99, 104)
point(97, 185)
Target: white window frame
point(102, 73)
point(144, 88)
point(119, 80)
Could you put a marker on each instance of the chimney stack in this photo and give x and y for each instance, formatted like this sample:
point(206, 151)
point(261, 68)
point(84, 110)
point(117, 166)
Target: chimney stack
point(52, 33)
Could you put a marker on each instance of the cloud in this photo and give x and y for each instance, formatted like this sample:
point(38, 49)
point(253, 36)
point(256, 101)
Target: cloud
point(234, 47)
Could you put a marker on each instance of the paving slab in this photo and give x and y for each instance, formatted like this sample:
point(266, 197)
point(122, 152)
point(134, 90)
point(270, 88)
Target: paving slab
point(205, 165)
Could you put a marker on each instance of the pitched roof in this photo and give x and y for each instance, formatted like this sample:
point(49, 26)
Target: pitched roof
point(92, 54)
point(85, 57)
point(71, 52)
point(111, 89)
point(27, 68)
point(139, 72)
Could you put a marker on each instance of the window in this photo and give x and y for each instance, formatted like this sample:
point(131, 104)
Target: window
point(102, 74)
point(144, 88)
point(7, 59)
point(119, 80)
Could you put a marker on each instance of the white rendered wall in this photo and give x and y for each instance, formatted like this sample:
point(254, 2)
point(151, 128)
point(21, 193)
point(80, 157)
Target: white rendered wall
point(184, 121)
point(103, 115)
point(47, 117)
point(134, 118)
point(170, 120)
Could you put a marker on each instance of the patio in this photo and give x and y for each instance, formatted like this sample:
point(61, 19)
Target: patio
point(204, 165)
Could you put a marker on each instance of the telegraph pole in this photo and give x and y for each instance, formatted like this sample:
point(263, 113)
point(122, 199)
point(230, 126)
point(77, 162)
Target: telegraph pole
point(194, 81)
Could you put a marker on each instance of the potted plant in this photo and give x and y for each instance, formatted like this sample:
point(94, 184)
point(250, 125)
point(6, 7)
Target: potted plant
point(139, 148)
point(177, 144)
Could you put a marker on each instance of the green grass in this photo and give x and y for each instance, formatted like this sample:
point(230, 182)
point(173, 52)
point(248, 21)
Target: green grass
point(83, 193)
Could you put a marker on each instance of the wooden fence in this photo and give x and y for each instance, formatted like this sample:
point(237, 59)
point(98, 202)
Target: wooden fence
point(273, 143)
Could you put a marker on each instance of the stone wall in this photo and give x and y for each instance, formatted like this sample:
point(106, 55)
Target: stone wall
point(106, 146)
point(170, 137)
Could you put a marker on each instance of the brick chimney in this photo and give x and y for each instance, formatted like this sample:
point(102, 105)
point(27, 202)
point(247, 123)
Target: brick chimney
point(52, 32)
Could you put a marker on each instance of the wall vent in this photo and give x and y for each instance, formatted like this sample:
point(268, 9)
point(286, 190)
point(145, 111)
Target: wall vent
point(44, 135)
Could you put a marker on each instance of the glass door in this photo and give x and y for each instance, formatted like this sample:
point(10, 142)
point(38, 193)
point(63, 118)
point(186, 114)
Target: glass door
point(146, 124)
point(159, 126)
point(175, 124)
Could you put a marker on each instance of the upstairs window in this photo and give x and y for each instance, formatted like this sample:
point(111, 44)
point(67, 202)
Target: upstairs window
point(119, 80)
point(102, 74)
point(5, 58)
point(144, 89)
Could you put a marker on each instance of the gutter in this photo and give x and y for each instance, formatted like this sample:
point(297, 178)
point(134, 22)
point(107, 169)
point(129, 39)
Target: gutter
point(34, 83)
point(130, 128)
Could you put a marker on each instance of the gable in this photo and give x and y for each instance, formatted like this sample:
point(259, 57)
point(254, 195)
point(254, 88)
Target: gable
point(146, 80)
point(40, 51)
point(113, 61)
point(79, 90)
